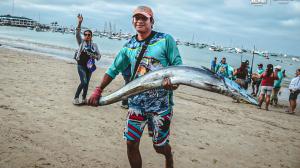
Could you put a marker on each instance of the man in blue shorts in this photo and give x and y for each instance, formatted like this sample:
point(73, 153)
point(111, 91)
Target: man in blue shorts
point(153, 107)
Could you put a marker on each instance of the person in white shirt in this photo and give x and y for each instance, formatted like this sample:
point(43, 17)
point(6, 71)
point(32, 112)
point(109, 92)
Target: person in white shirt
point(294, 88)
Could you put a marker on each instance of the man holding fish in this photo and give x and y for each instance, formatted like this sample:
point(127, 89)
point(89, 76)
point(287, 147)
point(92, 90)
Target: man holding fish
point(153, 107)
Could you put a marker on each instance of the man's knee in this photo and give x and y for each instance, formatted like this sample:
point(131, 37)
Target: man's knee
point(162, 149)
point(132, 145)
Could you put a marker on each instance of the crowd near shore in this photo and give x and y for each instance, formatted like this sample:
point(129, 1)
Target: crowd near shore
point(266, 82)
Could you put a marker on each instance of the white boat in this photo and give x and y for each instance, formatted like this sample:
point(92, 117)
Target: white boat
point(238, 50)
point(295, 59)
point(215, 48)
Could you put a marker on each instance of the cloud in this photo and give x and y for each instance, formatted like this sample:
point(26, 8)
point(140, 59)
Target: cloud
point(217, 20)
point(236, 3)
point(290, 23)
point(296, 7)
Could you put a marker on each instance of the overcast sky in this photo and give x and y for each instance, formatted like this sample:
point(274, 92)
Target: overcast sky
point(274, 27)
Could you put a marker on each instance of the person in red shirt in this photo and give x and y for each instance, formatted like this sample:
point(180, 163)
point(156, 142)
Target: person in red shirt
point(268, 78)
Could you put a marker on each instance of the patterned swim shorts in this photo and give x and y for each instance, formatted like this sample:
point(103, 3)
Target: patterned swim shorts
point(158, 126)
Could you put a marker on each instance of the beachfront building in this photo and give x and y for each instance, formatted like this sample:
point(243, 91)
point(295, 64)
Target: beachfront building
point(9, 20)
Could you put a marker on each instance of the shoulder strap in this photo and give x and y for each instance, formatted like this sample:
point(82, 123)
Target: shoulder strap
point(141, 54)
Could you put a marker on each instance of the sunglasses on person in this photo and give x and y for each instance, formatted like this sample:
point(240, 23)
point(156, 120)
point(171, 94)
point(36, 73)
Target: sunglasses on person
point(140, 17)
point(87, 34)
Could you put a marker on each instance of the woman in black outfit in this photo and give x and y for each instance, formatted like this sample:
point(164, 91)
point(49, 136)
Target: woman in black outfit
point(87, 52)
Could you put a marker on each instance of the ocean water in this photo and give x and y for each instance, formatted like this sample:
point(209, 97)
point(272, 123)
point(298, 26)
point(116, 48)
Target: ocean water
point(64, 45)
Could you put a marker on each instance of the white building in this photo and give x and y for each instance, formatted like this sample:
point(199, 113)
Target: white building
point(9, 20)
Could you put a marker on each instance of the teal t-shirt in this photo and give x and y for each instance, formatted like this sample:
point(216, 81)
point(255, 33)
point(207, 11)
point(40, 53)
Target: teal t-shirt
point(260, 71)
point(277, 83)
point(161, 52)
point(222, 69)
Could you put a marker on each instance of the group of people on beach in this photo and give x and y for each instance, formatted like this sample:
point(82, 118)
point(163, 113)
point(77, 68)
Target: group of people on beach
point(146, 51)
point(265, 82)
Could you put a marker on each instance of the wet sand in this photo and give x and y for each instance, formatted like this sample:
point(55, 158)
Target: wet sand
point(41, 128)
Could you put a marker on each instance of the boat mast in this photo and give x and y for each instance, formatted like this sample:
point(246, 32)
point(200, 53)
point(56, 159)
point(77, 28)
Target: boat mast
point(13, 7)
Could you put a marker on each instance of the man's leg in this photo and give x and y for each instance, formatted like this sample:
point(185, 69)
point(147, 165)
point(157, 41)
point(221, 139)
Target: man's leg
point(272, 96)
point(253, 88)
point(275, 98)
point(267, 101)
point(167, 152)
point(257, 87)
point(293, 102)
point(134, 155)
point(159, 129)
point(134, 127)
point(261, 99)
point(292, 106)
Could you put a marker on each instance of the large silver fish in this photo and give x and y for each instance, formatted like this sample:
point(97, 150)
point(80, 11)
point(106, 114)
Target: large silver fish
point(200, 77)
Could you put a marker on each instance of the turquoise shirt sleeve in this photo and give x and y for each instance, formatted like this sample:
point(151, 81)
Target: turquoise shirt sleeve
point(173, 55)
point(120, 63)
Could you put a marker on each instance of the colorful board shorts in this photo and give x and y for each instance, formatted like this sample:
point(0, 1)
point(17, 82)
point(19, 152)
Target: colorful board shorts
point(266, 90)
point(158, 124)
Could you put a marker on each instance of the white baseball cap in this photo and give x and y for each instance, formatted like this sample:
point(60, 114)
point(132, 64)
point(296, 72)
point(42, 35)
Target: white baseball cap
point(278, 67)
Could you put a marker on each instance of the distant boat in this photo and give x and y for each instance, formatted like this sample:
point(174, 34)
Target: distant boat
point(238, 50)
point(187, 43)
point(215, 48)
point(255, 52)
point(116, 37)
point(230, 49)
point(295, 59)
point(178, 42)
point(202, 45)
point(273, 54)
point(96, 33)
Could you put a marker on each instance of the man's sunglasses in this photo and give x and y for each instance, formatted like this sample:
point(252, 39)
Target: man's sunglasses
point(87, 35)
point(140, 17)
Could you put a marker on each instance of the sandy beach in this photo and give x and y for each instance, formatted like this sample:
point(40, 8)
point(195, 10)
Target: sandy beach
point(40, 127)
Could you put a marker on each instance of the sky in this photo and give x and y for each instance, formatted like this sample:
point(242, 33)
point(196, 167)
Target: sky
point(273, 27)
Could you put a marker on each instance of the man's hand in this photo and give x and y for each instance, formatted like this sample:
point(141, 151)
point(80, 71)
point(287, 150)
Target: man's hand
point(94, 99)
point(80, 18)
point(168, 85)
